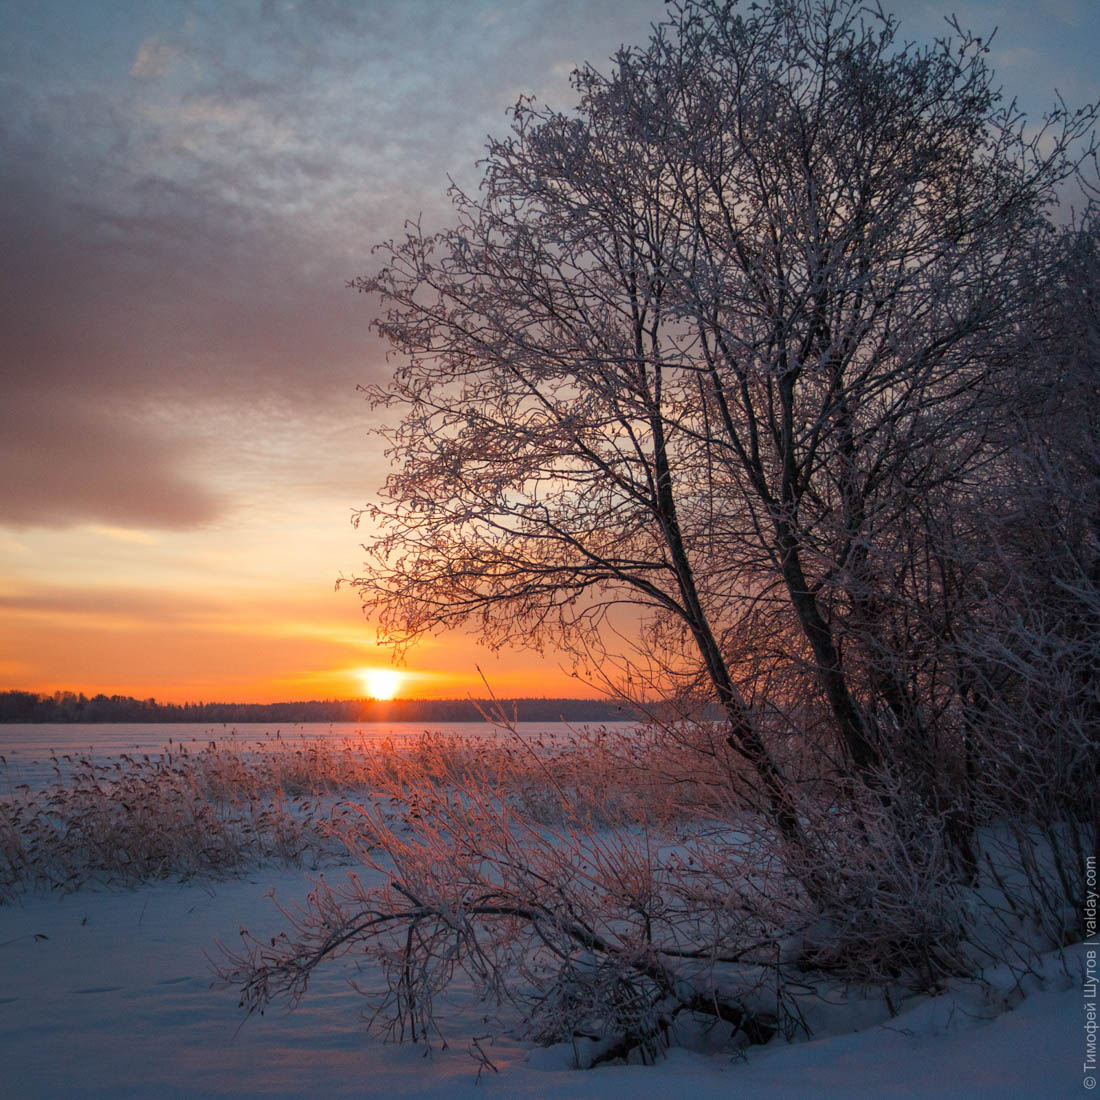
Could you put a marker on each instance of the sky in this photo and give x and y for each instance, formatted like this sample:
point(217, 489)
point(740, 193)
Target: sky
point(188, 185)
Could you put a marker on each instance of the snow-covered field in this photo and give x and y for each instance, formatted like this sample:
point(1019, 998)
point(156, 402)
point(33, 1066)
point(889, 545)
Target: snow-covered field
point(108, 993)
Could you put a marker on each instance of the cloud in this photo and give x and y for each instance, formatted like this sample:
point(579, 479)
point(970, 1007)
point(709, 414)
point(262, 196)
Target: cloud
point(142, 344)
point(124, 534)
point(116, 604)
point(185, 199)
point(64, 466)
point(1019, 57)
point(154, 59)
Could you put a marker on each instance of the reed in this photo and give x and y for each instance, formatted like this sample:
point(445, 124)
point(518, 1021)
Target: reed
point(232, 805)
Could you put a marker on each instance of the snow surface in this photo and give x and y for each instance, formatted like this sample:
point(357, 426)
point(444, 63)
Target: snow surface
point(108, 993)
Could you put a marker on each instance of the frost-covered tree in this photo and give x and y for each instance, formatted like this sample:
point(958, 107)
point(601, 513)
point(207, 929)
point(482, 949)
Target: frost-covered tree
point(718, 377)
point(714, 346)
point(1028, 641)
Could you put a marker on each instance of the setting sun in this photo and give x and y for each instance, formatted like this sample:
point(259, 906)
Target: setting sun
point(380, 683)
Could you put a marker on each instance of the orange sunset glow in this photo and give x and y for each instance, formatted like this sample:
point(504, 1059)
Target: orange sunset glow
point(181, 438)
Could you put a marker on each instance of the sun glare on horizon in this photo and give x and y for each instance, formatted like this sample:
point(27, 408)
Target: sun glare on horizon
point(380, 683)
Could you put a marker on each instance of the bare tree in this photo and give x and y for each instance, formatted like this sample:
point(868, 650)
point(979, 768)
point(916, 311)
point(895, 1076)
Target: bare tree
point(711, 347)
point(724, 366)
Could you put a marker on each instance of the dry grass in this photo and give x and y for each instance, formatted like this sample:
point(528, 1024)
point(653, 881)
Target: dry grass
point(177, 815)
point(227, 807)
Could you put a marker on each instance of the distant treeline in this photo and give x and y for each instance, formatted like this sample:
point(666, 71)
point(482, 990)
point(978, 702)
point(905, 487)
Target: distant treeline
point(67, 706)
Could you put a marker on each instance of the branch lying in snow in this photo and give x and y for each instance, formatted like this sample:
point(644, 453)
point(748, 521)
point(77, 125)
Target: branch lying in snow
point(584, 929)
point(757, 1029)
point(281, 968)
